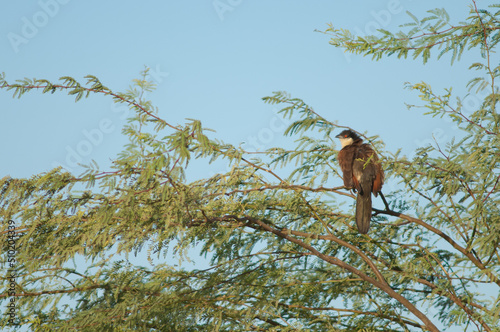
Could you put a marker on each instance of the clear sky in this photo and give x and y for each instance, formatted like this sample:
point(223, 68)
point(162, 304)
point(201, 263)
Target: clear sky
point(213, 61)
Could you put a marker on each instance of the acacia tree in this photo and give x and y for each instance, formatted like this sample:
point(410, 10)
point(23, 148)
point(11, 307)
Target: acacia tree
point(284, 252)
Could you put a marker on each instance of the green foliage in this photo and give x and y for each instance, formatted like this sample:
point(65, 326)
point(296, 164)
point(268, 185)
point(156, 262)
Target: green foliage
point(421, 36)
point(284, 254)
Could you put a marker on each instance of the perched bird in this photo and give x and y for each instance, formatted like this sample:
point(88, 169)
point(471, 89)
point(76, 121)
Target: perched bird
point(362, 172)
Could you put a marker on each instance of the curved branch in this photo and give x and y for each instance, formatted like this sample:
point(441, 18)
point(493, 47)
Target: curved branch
point(444, 236)
point(335, 261)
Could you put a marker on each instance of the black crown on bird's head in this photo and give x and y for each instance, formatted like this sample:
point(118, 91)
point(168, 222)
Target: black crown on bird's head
point(348, 133)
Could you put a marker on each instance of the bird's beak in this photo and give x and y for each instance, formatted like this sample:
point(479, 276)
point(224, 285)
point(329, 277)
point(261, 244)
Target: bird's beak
point(338, 136)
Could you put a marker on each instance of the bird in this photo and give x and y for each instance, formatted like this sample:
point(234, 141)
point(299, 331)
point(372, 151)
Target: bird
point(362, 172)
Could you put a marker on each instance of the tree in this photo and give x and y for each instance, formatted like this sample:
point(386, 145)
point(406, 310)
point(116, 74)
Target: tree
point(284, 252)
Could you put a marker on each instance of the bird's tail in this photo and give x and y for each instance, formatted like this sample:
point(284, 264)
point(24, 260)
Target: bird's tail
point(363, 211)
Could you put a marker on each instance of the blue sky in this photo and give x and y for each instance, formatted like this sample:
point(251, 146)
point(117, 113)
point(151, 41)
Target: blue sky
point(213, 61)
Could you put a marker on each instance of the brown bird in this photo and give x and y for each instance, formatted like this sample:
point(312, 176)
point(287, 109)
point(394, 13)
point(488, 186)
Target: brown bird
point(362, 172)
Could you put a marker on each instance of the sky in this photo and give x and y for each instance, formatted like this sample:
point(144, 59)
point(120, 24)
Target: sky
point(212, 61)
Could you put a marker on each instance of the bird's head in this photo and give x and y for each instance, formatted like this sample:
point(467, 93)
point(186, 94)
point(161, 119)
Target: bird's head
point(347, 137)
